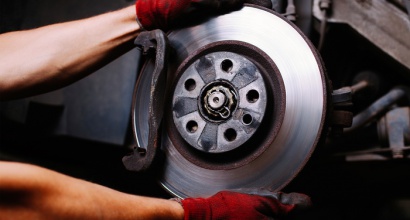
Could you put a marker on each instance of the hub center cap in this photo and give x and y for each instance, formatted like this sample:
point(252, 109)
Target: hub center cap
point(218, 101)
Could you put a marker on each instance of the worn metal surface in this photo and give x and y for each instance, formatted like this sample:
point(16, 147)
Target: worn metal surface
point(148, 100)
point(394, 134)
point(219, 102)
point(381, 22)
point(377, 108)
point(341, 115)
point(269, 127)
point(394, 129)
point(304, 106)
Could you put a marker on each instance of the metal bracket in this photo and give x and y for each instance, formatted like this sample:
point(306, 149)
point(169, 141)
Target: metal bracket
point(341, 116)
point(148, 100)
point(394, 128)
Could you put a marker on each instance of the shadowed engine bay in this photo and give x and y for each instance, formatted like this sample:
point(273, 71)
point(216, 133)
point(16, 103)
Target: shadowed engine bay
point(307, 96)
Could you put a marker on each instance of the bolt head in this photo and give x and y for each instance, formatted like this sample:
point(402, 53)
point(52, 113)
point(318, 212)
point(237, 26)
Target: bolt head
point(216, 100)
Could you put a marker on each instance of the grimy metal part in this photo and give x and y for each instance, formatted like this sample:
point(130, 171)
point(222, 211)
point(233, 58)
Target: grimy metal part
point(148, 100)
point(219, 102)
point(381, 22)
point(294, 114)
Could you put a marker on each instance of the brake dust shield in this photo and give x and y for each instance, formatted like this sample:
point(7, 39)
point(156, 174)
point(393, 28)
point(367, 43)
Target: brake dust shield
point(246, 106)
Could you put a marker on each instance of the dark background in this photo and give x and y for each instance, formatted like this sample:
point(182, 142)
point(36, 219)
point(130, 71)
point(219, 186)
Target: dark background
point(83, 130)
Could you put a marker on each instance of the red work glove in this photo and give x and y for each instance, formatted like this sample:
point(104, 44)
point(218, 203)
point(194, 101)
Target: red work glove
point(166, 14)
point(234, 205)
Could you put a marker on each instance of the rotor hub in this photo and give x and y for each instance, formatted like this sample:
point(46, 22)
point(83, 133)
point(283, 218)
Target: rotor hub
point(219, 102)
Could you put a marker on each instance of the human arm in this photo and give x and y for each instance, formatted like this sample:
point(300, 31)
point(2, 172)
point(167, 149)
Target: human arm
point(43, 59)
point(47, 58)
point(31, 192)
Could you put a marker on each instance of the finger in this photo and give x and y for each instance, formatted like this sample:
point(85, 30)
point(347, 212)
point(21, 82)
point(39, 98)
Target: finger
point(301, 201)
point(258, 191)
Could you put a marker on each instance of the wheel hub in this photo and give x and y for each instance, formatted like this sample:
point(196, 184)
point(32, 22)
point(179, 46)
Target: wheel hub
point(230, 96)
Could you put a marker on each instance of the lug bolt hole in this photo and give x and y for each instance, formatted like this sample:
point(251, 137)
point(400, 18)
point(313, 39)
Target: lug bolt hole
point(252, 96)
point(230, 134)
point(192, 126)
point(247, 119)
point(190, 84)
point(226, 65)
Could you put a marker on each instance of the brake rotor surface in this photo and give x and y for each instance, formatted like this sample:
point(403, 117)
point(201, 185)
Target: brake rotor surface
point(303, 110)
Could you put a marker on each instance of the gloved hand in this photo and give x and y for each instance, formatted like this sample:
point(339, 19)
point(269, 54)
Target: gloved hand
point(254, 204)
point(166, 14)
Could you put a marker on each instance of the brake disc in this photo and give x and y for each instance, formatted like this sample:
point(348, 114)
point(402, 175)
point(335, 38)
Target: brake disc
point(247, 105)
